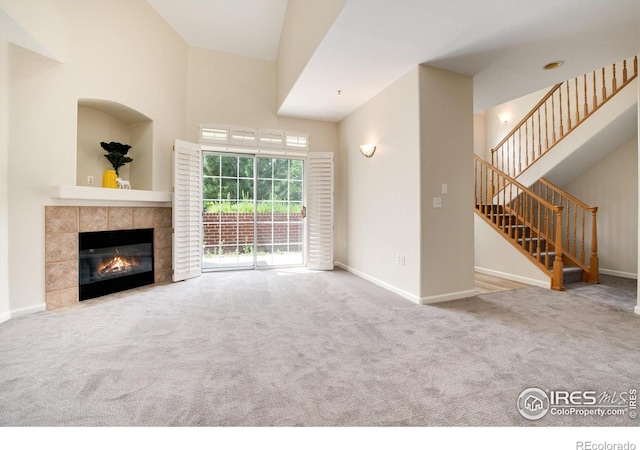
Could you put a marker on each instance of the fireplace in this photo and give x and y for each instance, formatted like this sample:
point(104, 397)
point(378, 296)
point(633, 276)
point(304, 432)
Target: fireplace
point(113, 261)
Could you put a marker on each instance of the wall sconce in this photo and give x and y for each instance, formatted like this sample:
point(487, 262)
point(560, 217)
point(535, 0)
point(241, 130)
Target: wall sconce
point(368, 150)
point(504, 117)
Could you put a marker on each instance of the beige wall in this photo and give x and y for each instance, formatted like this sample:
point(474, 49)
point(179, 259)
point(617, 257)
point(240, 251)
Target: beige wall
point(236, 90)
point(378, 198)
point(118, 51)
point(422, 126)
point(495, 129)
point(95, 127)
point(5, 306)
point(495, 255)
point(637, 308)
point(305, 24)
point(612, 186)
point(38, 26)
point(144, 66)
point(446, 157)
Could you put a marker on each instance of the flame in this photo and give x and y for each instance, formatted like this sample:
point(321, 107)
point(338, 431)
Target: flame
point(117, 264)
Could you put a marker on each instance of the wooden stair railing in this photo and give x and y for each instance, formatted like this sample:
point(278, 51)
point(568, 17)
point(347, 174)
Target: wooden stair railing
point(528, 221)
point(580, 228)
point(559, 112)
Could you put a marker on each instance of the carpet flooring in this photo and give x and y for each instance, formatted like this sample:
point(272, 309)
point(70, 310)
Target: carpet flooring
point(302, 348)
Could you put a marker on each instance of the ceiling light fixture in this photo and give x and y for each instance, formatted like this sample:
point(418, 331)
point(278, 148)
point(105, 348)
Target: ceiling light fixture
point(553, 65)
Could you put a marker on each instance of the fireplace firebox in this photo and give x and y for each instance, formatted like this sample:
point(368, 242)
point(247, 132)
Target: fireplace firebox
point(113, 261)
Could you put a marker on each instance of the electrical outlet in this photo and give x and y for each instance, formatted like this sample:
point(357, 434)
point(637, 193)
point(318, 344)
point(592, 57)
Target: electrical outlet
point(437, 202)
point(90, 179)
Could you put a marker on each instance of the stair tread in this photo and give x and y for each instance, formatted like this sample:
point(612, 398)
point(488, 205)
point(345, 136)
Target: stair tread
point(571, 269)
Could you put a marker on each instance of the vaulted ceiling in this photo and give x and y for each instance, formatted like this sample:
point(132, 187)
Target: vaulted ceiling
point(502, 44)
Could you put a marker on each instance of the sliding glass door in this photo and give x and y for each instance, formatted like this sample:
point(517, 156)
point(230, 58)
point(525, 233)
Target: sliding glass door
point(279, 231)
point(252, 211)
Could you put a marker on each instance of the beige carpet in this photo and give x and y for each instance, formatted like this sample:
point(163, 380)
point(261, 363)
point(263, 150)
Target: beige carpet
point(291, 347)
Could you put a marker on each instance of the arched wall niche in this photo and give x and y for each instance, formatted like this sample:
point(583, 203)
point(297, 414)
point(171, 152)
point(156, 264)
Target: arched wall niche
point(107, 121)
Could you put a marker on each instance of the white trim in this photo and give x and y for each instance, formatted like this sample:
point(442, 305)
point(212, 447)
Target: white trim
point(248, 150)
point(617, 273)
point(6, 316)
point(415, 299)
point(28, 310)
point(447, 297)
point(518, 278)
point(114, 195)
point(637, 310)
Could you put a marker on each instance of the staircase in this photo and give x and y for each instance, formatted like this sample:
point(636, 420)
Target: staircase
point(555, 231)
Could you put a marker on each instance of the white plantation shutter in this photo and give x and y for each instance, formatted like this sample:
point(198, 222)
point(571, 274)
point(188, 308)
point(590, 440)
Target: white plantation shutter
point(271, 138)
point(296, 141)
point(187, 205)
point(320, 211)
point(215, 134)
point(243, 136)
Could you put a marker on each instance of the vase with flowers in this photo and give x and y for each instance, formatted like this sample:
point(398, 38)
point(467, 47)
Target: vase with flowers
point(117, 156)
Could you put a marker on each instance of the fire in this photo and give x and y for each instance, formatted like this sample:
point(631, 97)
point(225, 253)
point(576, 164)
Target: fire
point(117, 265)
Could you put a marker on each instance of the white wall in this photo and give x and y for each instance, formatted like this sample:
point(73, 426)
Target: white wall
point(612, 186)
point(4, 153)
point(237, 90)
point(118, 51)
point(446, 157)
point(378, 198)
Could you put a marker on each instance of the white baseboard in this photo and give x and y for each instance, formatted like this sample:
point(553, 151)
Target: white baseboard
point(28, 310)
point(617, 273)
point(637, 310)
point(4, 317)
point(518, 278)
point(408, 295)
point(387, 286)
point(447, 297)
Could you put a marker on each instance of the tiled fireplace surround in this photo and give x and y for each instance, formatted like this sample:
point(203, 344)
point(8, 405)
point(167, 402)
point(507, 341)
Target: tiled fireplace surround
point(62, 225)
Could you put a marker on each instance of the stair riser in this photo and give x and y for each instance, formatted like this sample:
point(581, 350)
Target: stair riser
point(547, 259)
point(534, 245)
point(571, 277)
point(503, 220)
point(489, 209)
point(517, 231)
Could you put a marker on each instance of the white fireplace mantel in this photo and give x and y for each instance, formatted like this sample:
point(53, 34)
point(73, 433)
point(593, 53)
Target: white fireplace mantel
point(110, 195)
